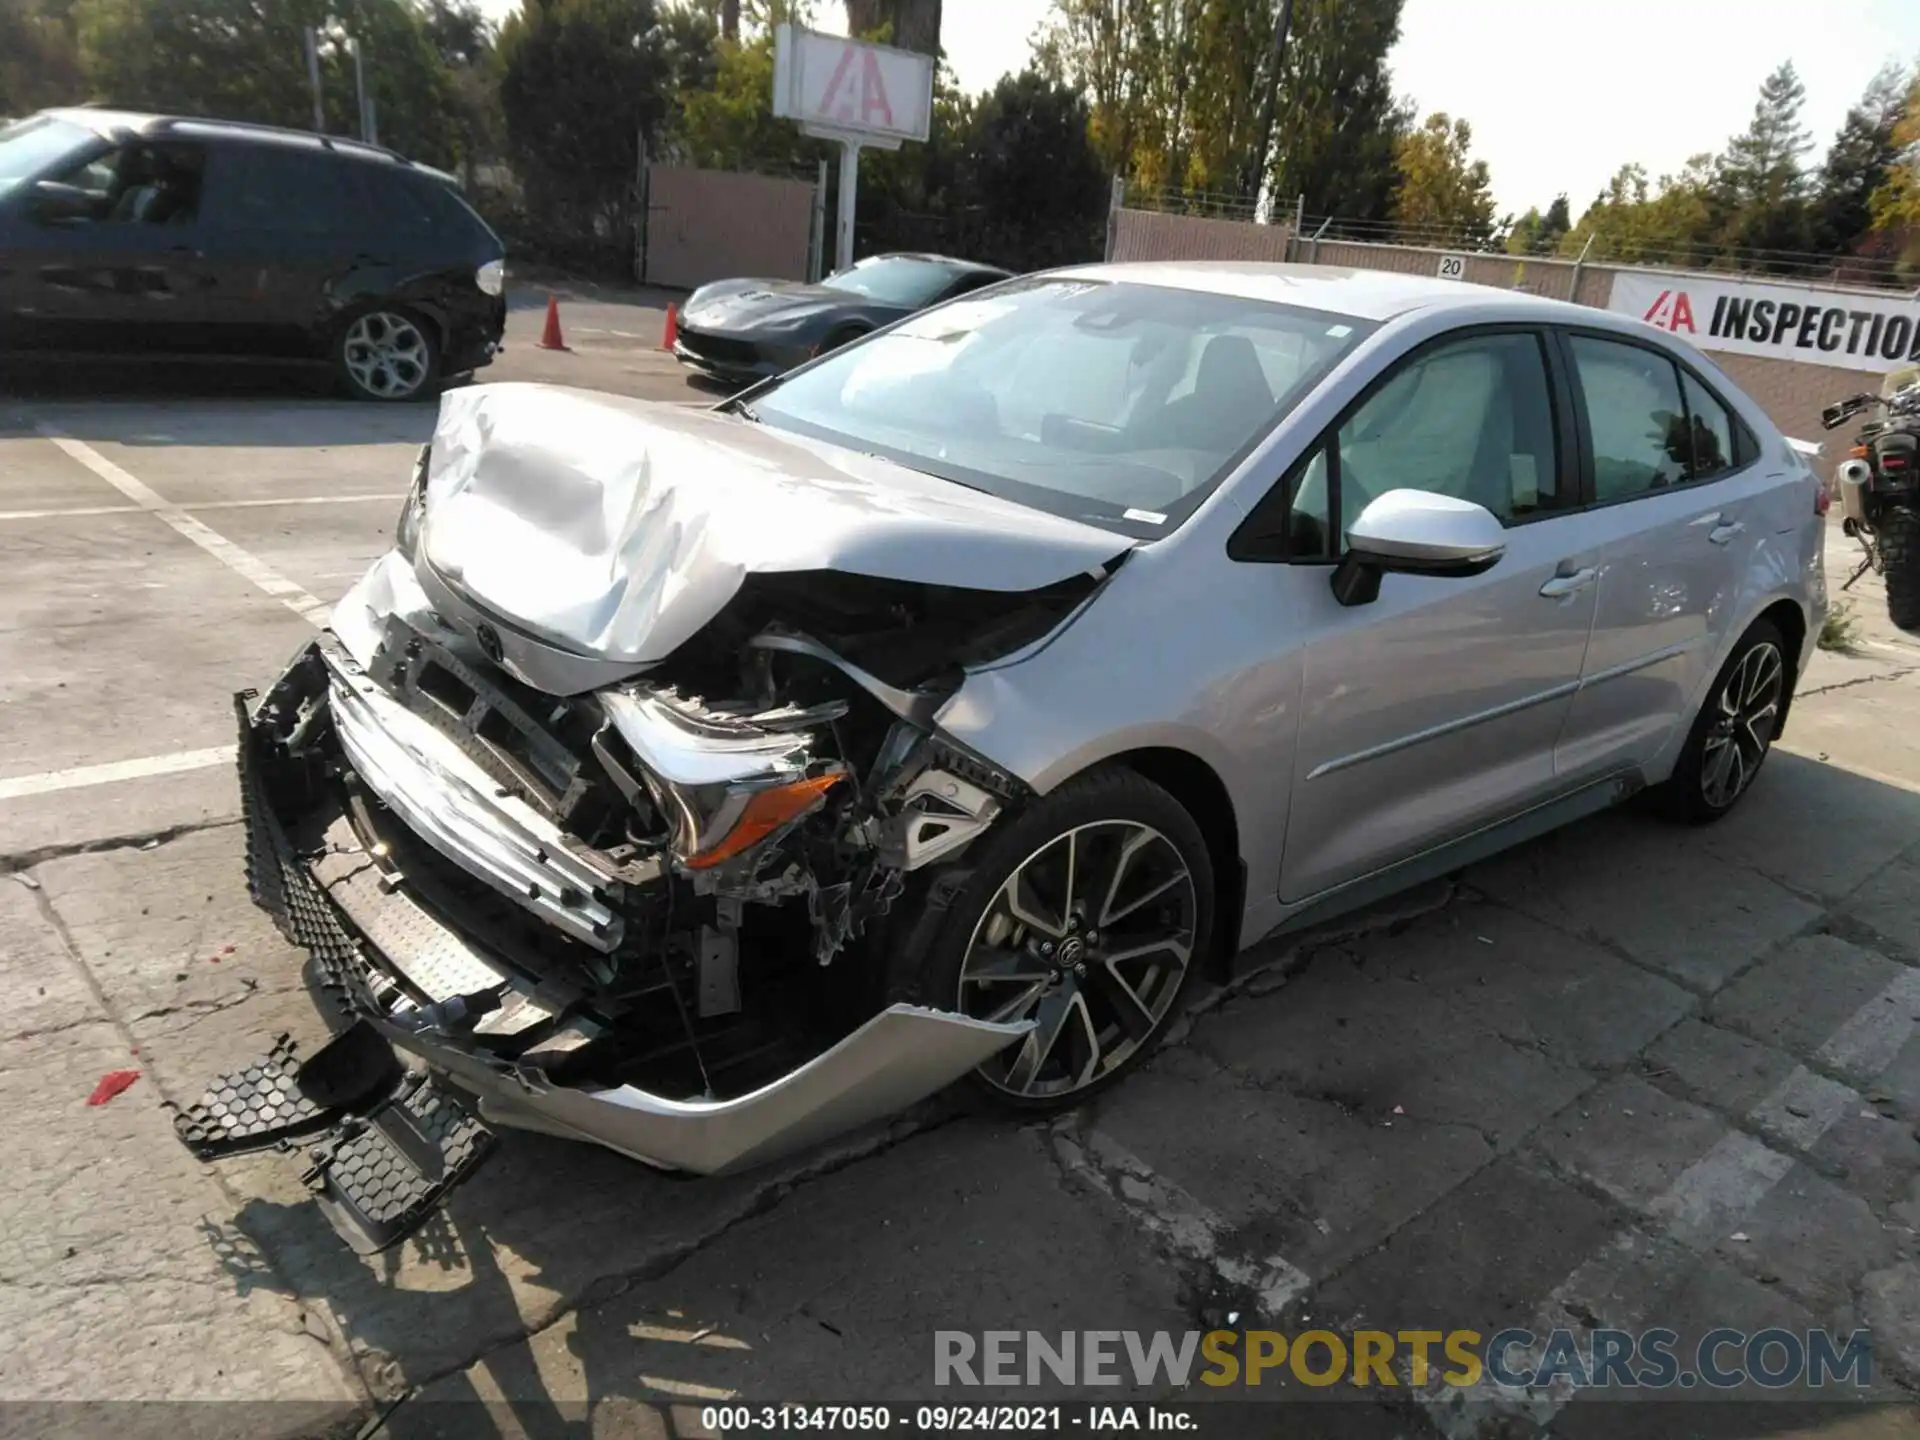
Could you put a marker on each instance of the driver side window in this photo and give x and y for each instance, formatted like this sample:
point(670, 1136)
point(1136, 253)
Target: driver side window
point(1470, 418)
point(141, 184)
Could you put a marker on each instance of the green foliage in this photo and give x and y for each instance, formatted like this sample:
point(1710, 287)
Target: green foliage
point(1028, 189)
point(1760, 184)
point(1338, 124)
point(1177, 91)
point(1895, 204)
point(246, 60)
point(1443, 192)
point(39, 58)
point(1863, 157)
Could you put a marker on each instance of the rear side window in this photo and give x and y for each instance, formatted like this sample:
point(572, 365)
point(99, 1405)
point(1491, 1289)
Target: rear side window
point(1635, 416)
point(399, 203)
point(284, 190)
point(1714, 449)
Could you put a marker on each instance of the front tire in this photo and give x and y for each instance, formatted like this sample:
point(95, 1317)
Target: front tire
point(1899, 541)
point(387, 354)
point(1733, 734)
point(1089, 916)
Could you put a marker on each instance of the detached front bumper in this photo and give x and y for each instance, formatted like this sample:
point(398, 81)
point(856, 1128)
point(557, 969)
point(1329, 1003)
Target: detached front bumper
point(397, 967)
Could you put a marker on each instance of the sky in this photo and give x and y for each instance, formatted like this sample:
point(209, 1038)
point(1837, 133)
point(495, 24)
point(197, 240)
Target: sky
point(1562, 107)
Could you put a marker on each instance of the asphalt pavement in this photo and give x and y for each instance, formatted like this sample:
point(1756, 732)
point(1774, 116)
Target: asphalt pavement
point(1630, 1076)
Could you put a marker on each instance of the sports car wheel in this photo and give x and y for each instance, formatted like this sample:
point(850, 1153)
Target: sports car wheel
point(1088, 917)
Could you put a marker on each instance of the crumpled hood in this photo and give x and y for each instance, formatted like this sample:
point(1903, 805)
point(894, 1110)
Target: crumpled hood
point(617, 528)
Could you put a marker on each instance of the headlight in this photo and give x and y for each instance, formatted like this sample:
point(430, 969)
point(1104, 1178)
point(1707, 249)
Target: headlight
point(491, 277)
point(406, 534)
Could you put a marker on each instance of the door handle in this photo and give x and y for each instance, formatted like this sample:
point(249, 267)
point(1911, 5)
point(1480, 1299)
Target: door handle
point(1561, 586)
point(1725, 532)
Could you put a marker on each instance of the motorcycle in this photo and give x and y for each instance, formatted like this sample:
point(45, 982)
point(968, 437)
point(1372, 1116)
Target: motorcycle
point(1879, 489)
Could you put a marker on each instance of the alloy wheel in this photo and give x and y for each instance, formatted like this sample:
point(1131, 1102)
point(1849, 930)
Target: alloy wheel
point(386, 355)
point(1090, 937)
point(1743, 728)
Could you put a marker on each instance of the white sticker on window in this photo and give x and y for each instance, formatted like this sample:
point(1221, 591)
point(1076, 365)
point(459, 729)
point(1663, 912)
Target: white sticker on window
point(1339, 332)
point(1145, 517)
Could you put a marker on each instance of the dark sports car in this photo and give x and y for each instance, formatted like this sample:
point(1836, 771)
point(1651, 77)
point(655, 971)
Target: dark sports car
point(744, 330)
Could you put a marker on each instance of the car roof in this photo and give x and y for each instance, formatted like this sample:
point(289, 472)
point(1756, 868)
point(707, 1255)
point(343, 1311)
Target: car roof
point(123, 124)
point(1364, 294)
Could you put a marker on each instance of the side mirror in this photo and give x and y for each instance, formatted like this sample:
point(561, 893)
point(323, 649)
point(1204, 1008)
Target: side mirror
point(1416, 532)
point(56, 204)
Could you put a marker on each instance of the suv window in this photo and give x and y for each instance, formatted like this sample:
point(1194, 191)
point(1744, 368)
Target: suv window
point(286, 190)
point(1471, 418)
point(1635, 416)
point(142, 184)
point(398, 201)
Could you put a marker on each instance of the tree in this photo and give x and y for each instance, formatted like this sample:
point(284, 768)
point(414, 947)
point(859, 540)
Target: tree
point(1760, 183)
point(583, 84)
point(1443, 194)
point(1538, 234)
point(39, 60)
point(1896, 204)
point(1028, 186)
point(1863, 157)
point(909, 24)
point(246, 60)
point(1675, 220)
point(1339, 128)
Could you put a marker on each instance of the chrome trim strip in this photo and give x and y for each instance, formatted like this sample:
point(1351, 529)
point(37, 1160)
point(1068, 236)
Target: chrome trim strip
point(1448, 727)
point(1435, 732)
point(1614, 672)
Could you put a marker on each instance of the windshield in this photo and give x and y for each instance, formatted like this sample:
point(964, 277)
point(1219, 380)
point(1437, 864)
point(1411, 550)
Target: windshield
point(1121, 404)
point(30, 146)
point(894, 281)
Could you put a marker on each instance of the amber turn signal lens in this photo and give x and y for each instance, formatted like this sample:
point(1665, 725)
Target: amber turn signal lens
point(1859, 452)
point(766, 811)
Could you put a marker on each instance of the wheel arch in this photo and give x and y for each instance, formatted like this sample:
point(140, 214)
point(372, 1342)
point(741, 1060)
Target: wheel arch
point(1791, 621)
point(1204, 795)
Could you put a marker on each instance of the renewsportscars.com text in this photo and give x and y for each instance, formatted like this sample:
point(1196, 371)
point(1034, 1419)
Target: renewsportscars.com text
point(1650, 1359)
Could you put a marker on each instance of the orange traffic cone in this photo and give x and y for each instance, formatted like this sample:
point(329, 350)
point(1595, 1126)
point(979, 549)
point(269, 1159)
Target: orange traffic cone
point(670, 335)
point(550, 337)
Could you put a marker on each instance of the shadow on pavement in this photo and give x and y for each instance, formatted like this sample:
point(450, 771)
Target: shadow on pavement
point(567, 1291)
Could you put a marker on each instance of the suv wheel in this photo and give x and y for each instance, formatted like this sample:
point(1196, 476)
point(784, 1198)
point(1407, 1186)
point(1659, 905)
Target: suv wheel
point(387, 355)
point(1088, 916)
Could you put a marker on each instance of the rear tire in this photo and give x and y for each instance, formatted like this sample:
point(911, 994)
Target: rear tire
point(1089, 914)
point(388, 354)
point(1733, 734)
point(1899, 541)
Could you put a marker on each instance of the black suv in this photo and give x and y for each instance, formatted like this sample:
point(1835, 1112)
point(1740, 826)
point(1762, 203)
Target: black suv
point(139, 235)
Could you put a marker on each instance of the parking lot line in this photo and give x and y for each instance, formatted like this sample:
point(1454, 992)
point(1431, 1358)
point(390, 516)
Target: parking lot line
point(242, 562)
point(392, 498)
point(80, 776)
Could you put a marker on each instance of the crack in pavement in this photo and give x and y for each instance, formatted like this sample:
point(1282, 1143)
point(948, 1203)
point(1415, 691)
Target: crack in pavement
point(21, 861)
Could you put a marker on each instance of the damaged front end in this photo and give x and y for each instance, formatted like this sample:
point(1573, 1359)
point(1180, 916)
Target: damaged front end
point(658, 914)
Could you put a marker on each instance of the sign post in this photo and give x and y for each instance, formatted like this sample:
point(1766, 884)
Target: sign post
point(859, 95)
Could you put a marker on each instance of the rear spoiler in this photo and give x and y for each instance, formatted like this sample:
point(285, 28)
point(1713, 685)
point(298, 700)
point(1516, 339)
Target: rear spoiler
point(1808, 448)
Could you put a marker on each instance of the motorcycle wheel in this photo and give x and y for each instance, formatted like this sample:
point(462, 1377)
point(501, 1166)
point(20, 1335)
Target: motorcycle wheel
point(1899, 541)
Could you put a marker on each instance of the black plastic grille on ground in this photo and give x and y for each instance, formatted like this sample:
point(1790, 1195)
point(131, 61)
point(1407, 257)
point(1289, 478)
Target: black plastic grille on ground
point(253, 1107)
point(281, 885)
point(378, 1179)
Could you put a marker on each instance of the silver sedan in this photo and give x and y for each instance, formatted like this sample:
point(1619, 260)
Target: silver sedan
point(701, 783)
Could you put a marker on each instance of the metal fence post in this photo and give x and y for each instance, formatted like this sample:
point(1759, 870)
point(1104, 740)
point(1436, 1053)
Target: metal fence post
point(640, 177)
point(1574, 294)
point(1116, 198)
point(817, 238)
point(1314, 257)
